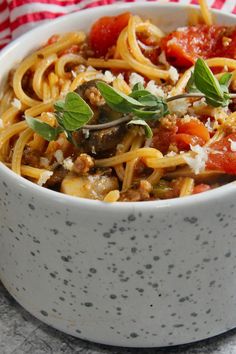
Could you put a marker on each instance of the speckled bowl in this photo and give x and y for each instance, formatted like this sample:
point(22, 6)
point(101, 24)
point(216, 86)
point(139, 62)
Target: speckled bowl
point(133, 274)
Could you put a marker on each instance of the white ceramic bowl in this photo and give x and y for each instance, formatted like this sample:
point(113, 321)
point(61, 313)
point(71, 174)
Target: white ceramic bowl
point(129, 274)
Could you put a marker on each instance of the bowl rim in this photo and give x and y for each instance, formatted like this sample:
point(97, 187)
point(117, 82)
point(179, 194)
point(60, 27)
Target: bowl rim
point(41, 192)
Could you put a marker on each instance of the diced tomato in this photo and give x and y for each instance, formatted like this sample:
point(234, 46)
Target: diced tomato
point(183, 135)
point(221, 157)
point(199, 188)
point(183, 141)
point(194, 127)
point(105, 32)
point(183, 47)
point(189, 133)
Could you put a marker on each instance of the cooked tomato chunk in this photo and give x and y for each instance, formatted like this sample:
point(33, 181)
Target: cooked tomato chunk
point(189, 133)
point(222, 155)
point(105, 32)
point(184, 46)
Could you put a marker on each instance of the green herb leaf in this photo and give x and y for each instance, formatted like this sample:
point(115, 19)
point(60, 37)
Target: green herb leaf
point(43, 129)
point(148, 114)
point(148, 130)
point(139, 94)
point(150, 100)
point(191, 86)
point(206, 83)
point(117, 100)
point(76, 112)
point(138, 87)
point(224, 84)
point(225, 79)
point(59, 106)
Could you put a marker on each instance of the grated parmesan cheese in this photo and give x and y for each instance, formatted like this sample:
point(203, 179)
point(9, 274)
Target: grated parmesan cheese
point(187, 118)
point(179, 107)
point(108, 77)
point(209, 125)
point(59, 156)
point(198, 162)
point(200, 103)
point(16, 103)
point(171, 153)
point(135, 79)
point(174, 75)
point(90, 68)
point(44, 177)
point(154, 89)
point(232, 144)
point(68, 164)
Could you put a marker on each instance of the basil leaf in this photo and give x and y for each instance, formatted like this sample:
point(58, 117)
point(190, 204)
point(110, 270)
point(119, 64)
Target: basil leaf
point(207, 83)
point(139, 93)
point(224, 84)
point(148, 130)
point(150, 100)
point(59, 106)
point(191, 86)
point(138, 87)
point(117, 100)
point(59, 117)
point(43, 129)
point(76, 112)
point(147, 115)
point(225, 79)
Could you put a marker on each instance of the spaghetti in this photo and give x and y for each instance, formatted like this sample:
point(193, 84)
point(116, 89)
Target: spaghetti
point(193, 148)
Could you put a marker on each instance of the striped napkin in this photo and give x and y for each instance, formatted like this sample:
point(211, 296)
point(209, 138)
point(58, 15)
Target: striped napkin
point(19, 16)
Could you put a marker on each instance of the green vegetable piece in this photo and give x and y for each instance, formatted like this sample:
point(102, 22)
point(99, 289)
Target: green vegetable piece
point(59, 106)
point(206, 82)
point(148, 114)
point(117, 100)
point(43, 129)
point(76, 112)
point(225, 79)
point(139, 94)
point(191, 86)
point(137, 87)
point(224, 84)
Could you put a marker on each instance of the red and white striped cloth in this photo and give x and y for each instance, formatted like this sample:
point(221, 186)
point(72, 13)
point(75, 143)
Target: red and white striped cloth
point(19, 16)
